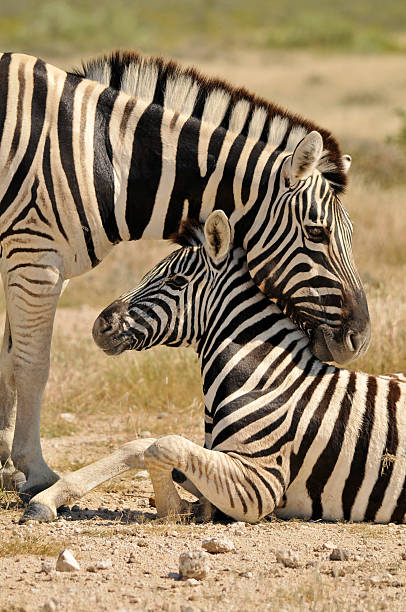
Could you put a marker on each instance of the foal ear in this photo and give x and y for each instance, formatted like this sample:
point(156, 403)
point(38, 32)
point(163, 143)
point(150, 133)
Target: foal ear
point(306, 156)
point(217, 233)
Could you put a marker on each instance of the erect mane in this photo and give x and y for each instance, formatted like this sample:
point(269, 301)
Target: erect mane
point(190, 233)
point(141, 76)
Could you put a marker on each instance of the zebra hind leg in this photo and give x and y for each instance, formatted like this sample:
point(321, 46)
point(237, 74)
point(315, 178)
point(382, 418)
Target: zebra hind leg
point(234, 487)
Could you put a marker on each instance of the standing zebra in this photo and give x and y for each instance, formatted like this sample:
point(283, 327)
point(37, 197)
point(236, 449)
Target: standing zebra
point(284, 431)
point(85, 165)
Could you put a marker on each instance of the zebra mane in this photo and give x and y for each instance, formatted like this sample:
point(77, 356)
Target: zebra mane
point(168, 84)
point(190, 233)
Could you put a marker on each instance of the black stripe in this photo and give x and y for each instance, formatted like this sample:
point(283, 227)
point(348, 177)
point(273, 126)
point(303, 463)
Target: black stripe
point(392, 440)
point(47, 172)
point(103, 164)
point(4, 70)
point(145, 171)
point(325, 464)
point(358, 464)
point(38, 105)
point(65, 134)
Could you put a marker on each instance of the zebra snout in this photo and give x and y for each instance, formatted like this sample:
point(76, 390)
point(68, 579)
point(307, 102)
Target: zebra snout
point(108, 324)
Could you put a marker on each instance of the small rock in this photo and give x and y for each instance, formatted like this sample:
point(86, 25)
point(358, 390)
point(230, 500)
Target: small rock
point(218, 545)
point(132, 558)
point(194, 564)
point(68, 417)
point(403, 556)
point(46, 567)
point(145, 434)
point(329, 545)
point(75, 508)
point(189, 608)
point(50, 606)
point(192, 582)
point(246, 574)
point(288, 558)
point(141, 475)
point(100, 565)
point(339, 554)
point(66, 562)
point(143, 543)
point(237, 525)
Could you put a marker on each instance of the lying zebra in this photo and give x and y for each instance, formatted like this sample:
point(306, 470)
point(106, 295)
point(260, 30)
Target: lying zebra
point(284, 431)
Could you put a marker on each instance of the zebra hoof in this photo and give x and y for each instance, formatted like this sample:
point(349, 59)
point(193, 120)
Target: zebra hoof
point(37, 512)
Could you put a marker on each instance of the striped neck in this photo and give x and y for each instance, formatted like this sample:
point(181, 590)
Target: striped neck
point(243, 327)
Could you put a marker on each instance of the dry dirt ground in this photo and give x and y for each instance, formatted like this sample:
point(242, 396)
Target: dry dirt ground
point(110, 401)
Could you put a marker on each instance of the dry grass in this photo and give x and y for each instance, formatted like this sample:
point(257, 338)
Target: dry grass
point(30, 545)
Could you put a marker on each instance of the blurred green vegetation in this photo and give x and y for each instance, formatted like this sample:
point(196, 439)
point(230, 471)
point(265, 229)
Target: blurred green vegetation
point(61, 27)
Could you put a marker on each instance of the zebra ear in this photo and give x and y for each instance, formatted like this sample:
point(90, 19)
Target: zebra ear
point(346, 161)
point(306, 156)
point(218, 235)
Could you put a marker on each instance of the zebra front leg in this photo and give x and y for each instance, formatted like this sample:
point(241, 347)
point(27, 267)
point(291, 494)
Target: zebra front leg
point(32, 293)
point(233, 485)
point(43, 507)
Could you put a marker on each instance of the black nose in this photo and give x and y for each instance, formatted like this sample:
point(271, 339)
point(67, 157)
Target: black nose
point(108, 320)
point(100, 327)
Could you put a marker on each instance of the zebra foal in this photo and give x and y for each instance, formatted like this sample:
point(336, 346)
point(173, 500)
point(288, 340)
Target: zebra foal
point(129, 147)
point(284, 431)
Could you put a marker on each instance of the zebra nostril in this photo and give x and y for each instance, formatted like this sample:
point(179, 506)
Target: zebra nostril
point(101, 326)
point(354, 341)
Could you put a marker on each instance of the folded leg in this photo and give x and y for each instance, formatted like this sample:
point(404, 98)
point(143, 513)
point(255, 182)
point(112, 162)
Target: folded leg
point(229, 482)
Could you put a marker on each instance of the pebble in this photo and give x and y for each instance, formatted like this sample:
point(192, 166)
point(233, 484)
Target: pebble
point(46, 567)
point(403, 556)
point(329, 545)
point(66, 562)
point(194, 564)
point(339, 554)
point(132, 558)
point(288, 558)
point(141, 475)
point(145, 434)
point(75, 508)
point(49, 606)
point(192, 582)
point(143, 543)
point(100, 565)
point(246, 574)
point(218, 545)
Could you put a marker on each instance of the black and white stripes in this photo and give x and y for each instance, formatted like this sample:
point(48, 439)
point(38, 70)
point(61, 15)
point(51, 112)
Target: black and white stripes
point(86, 164)
point(284, 431)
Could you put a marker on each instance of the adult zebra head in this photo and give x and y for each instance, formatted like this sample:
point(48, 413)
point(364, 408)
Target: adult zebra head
point(172, 303)
point(301, 256)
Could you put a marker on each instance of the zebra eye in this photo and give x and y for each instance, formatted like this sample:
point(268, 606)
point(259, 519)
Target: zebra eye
point(176, 281)
point(317, 234)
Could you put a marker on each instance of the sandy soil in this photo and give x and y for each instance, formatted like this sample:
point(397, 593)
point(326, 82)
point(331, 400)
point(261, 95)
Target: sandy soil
point(118, 521)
